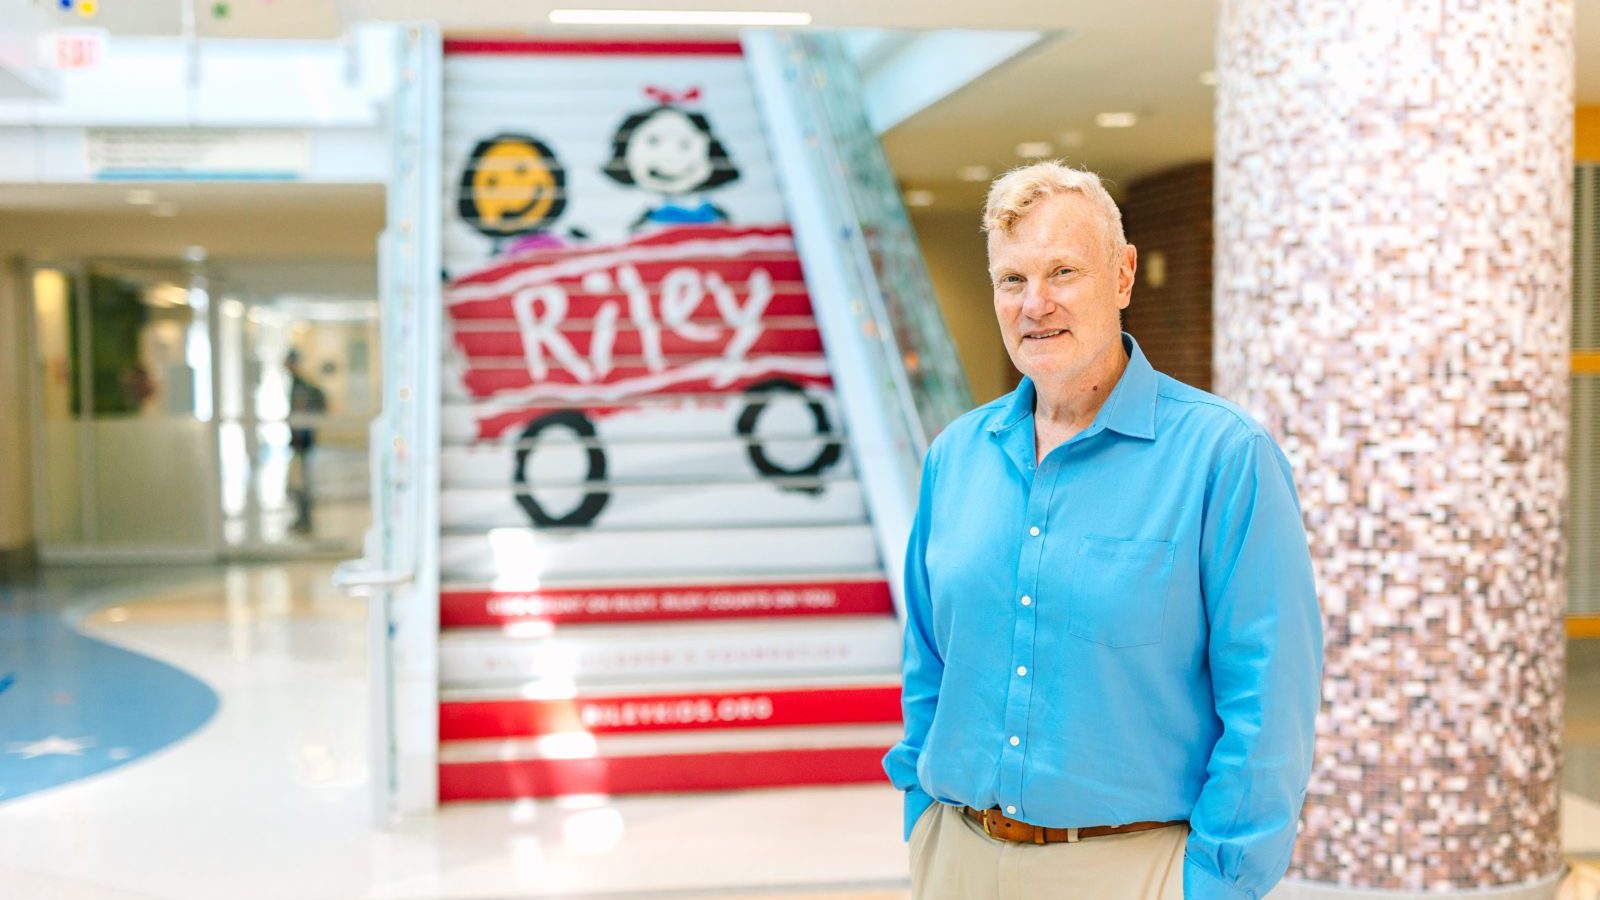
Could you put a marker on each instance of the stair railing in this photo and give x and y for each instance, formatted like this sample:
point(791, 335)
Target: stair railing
point(898, 377)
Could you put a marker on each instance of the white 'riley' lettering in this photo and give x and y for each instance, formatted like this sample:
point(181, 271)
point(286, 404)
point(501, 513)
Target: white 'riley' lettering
point(541, 309)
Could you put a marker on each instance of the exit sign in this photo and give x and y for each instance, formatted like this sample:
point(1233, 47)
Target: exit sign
point(79, 48)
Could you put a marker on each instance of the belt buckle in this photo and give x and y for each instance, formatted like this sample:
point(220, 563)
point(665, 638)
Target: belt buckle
point(988, 832)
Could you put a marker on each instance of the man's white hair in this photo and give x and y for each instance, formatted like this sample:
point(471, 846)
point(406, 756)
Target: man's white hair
point(1016, 192)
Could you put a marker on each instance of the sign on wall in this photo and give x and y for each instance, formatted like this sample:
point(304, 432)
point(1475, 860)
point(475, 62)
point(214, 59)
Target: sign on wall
point(184, 154)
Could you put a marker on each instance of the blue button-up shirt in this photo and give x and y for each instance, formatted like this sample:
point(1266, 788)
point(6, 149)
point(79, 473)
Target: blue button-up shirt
point(1129, 632)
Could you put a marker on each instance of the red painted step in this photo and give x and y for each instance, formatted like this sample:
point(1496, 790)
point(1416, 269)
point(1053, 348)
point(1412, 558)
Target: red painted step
point(507, 344)
point(726, 760)
point(599, 604)
point(636, 712)
point(659, 774)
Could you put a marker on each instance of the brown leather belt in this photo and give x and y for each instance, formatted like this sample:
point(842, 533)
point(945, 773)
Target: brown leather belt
point(998, 825)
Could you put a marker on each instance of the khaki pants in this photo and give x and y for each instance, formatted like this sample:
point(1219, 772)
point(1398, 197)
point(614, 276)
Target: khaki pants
point(952, 859)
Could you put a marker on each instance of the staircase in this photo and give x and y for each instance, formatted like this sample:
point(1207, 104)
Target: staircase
point(657, 568)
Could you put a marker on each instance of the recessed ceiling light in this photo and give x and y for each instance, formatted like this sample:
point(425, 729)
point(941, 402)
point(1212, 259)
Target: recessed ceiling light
point(141, 197)
point(732, 17)
point(1035, 149)
point(1117, 119)
point(919, 198)
point(974, 173)
point(164, 210)
point(1209, 78)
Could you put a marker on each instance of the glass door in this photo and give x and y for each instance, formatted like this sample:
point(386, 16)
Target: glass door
point(123, 405)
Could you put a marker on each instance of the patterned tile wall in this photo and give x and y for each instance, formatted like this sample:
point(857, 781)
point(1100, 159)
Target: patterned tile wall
point(1394, 214)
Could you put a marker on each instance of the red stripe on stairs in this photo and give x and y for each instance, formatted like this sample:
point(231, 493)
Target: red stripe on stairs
point(500, 47)
point(636, 713)
point(501, 780)
point(628, 341)
point(468, 609)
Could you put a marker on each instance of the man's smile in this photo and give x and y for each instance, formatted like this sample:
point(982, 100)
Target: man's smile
point(1044, 335)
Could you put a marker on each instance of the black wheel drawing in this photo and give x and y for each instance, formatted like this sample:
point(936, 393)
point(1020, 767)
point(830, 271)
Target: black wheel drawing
point(757, 396)
point(593, 501)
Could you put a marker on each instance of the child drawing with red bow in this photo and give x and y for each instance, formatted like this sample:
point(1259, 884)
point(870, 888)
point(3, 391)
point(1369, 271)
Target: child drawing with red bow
point(671, 151)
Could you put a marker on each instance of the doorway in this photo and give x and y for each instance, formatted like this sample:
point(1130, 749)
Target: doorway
point(194, 411)
point(299, 384)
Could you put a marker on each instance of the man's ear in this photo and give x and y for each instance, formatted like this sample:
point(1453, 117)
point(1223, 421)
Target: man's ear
point(1127, 269)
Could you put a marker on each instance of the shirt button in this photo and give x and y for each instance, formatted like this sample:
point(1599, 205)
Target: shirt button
point(1011, 810)
point(1022, 670)
point(1015, 740)
point(1034, 531)
point(1027, 601)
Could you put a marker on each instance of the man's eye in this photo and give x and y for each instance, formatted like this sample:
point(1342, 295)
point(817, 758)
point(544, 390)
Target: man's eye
point(1064, 271)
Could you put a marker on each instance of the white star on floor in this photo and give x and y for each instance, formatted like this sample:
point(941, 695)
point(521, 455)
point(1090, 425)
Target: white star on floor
point(54, 745)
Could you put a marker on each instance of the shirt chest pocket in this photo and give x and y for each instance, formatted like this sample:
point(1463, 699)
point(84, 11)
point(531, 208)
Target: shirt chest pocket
point(1117, 592)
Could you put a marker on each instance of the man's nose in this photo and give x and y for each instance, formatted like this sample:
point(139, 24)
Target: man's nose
point(1036, 301)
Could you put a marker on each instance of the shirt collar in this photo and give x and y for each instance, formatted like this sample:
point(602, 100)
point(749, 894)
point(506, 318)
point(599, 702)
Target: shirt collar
point(1130, 410)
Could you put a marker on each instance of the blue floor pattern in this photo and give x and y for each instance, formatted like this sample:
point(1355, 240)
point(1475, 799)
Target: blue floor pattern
point(72, 706)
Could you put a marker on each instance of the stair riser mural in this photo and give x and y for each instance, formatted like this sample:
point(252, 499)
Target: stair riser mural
point(641, 434)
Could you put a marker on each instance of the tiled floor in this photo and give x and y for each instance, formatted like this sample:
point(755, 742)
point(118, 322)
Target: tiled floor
point(269, 797)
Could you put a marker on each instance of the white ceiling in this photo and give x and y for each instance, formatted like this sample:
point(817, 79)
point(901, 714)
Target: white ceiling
point(1142, 56)
point(1115, 58)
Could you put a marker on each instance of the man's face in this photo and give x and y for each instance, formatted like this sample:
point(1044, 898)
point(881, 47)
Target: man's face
point(1057, 291)
point(668, 154)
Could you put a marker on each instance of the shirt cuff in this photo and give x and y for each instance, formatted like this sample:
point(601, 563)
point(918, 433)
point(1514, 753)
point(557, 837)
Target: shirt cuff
point(1200, 884)
point(916, 804)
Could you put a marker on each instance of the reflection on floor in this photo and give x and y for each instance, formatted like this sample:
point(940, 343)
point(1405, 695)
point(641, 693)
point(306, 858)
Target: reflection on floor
point(335, 527)
point(269, 798)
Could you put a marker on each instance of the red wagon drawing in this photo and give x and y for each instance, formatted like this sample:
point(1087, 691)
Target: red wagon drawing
point(667, 334)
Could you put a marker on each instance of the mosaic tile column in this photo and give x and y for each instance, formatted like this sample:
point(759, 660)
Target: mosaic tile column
point(1393, 226)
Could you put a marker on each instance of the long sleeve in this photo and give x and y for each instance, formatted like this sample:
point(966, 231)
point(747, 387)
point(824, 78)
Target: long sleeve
point(923, 666)
point(1265, 655)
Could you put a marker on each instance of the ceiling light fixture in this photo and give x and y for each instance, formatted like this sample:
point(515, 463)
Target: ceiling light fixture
point(974, 173)
point(1035, 149)
point(696, 17)
point(1117, 119)
point(919, 198)
point(140, 197)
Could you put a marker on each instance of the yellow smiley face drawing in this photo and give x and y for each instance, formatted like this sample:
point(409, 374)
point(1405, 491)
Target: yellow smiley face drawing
point(512, 184)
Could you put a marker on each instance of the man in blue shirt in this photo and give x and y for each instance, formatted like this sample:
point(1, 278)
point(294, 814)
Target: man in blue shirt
point(1113, 649)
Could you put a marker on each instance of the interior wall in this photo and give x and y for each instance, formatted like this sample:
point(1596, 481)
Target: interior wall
point(1167, 215)
point(16, 499)
point(958, 264)
point(309, 234)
